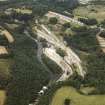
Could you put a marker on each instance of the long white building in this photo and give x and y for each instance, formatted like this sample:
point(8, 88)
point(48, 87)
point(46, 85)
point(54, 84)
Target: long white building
point(84, 1)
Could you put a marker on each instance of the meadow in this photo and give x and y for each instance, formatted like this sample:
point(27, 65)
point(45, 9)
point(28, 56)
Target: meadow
point(76, 98)
point(91, 11)
point(2, 97)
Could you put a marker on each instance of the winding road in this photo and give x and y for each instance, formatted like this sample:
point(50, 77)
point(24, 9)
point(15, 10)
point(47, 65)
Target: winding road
point(71, 58)
point(39, 52)
point(65, 63)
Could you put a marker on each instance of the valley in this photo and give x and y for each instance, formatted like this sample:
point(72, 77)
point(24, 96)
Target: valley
point(52, 52)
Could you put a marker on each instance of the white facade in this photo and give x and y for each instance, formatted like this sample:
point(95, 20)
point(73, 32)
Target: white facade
point(84, 1)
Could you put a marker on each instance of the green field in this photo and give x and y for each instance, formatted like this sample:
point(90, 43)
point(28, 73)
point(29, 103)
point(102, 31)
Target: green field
point(2, 97)
point(97, 11)
point(23, 11)
point(76, 98)
point(5, 67)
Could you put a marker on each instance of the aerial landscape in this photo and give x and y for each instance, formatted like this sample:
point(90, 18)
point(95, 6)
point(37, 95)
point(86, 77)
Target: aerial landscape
point(52, 52)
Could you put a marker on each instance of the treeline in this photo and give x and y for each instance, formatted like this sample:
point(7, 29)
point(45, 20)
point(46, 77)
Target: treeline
point(14, 15)
point(42, 6)
point(84, 39)
point(96, 72)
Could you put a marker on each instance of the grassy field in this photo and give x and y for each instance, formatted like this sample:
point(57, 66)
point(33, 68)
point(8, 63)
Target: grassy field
point(76, 98)
point(4, 73)
point(5, 67)
point(27, 11)
point(97, 11)
point(2, 97)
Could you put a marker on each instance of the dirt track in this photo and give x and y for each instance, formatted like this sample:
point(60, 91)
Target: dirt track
point(8, 36)
point(3, 50)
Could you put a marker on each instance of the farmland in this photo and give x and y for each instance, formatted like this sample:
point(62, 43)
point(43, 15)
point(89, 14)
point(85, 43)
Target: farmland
point(76, 98)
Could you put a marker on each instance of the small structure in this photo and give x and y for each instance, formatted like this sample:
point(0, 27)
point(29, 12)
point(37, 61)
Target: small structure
point(44, 88)
point(41, 92)
point(31, 104)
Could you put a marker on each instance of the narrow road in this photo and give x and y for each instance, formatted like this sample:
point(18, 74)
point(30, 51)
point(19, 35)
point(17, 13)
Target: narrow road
point(64, 18)
point(53, 40)
point(39, 57)
point(39, 52)
point(66, 68)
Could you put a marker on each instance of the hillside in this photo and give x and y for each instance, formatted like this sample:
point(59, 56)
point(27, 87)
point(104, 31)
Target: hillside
point(50, 46)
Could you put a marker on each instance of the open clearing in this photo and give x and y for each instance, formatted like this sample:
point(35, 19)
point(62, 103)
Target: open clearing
point(23, 11)
point(76, 98)
point(97, 11)
point(5, 67)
